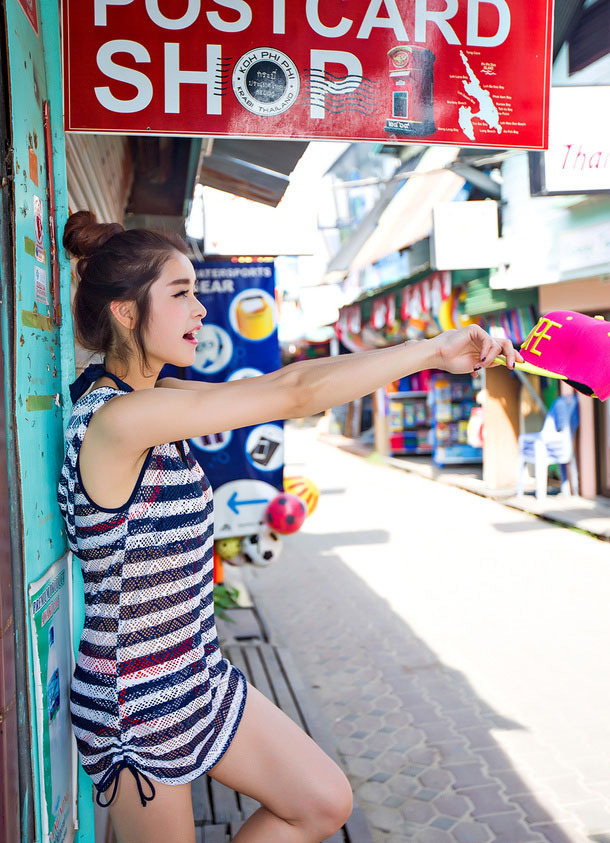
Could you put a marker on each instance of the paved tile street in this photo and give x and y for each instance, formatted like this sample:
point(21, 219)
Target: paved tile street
point(459, 650)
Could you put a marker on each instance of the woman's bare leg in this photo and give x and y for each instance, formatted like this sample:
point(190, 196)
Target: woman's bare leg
point(168, 818)
point(304, 794)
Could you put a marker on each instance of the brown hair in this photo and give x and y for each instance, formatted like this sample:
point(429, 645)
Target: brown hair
point(115, 264)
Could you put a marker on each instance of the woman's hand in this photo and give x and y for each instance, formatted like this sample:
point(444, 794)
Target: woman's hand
point(471, 348)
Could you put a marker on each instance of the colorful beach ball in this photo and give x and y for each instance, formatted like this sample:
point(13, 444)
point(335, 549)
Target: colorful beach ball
point(285, 513)
point(303, 488)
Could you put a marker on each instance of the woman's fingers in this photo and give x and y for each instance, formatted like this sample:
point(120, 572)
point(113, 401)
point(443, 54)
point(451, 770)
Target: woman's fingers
point(506, 348)
point(509, 353)
point(490, 348)
point(486, 349)
point(480, 338)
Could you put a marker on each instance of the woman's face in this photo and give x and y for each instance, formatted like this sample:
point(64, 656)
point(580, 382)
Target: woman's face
point(175, 314)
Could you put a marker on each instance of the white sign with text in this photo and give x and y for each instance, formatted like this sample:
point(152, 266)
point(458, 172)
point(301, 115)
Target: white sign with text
point(578, 158)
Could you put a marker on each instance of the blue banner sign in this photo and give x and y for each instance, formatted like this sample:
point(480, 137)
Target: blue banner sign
point(238, 340)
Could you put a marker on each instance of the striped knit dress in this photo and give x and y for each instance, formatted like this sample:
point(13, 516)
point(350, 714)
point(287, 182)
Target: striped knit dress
point(151, 692)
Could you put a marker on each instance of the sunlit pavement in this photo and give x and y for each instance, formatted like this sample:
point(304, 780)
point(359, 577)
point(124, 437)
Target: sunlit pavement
point(459, 650)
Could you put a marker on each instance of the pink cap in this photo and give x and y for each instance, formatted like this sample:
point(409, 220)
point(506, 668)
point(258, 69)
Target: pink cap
point(572, 347)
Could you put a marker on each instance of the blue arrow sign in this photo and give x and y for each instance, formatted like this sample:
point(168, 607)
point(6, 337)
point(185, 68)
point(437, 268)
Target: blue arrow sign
point(234, 504)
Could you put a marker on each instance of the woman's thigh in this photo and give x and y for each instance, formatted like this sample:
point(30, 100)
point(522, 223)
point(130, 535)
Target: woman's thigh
point(273, 761)
point(167, 817)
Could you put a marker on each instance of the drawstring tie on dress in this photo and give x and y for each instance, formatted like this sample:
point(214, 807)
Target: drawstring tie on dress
point(111, 778)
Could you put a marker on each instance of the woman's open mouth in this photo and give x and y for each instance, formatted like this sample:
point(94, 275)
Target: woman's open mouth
point(190, 337)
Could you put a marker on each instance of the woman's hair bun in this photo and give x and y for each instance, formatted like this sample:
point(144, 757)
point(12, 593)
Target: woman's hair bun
point(84, 235)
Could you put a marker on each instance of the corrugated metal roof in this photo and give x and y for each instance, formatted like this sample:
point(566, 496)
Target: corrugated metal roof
point(100, 174)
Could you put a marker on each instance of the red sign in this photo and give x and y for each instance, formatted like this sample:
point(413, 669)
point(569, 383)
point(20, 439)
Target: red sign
point(464, 72)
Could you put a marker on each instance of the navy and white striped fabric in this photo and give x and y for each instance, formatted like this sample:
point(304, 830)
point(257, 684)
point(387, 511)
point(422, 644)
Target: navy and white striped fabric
point(151, 690)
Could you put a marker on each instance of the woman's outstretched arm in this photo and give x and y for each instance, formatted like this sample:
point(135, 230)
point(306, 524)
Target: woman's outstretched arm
point(153, 416)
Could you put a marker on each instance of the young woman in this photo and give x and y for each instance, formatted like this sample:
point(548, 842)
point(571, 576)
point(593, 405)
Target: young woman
point(151, 694)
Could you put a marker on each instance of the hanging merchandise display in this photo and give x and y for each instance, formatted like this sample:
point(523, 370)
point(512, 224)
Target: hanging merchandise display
point(435, 413)
point(514, 324)
point(285, 513)
point(506, 314)
point(305, 489)
point(430, 304)
point(227, 549)
point(409, 415)
point(452, 404)
point(379, 313)
point(433, 305)
point(262, 548)
point(446, 313)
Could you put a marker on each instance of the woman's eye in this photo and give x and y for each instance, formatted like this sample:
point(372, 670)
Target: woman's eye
point(183, 293)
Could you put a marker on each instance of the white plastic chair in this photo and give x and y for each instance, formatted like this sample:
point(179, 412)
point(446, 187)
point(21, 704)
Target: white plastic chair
point(553, 445)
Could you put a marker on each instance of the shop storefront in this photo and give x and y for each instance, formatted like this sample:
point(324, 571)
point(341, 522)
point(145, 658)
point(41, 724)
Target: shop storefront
point(429, 415)
point(556, 224)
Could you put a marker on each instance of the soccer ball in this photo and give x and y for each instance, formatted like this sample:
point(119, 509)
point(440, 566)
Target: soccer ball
point(285, 513)
point(263, 548)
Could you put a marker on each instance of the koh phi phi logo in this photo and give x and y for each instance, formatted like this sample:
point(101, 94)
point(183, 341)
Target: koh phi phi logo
point(266, 81)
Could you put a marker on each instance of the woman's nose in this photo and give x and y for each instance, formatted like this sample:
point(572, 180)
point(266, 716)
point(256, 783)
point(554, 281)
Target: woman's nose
point(200, 310)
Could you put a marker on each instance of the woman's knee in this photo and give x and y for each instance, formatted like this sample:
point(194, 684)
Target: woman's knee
point(328, 804)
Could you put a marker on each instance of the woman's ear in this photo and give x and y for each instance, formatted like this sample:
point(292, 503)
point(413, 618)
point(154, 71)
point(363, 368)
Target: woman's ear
point(124, 312)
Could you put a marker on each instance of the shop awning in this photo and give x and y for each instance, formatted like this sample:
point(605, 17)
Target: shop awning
point(253, 169)
point(138, 181)
point(408, 217)
point(164, 171)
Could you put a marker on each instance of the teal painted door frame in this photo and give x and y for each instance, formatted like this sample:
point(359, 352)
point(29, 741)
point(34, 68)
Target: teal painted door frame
point(38, 350)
